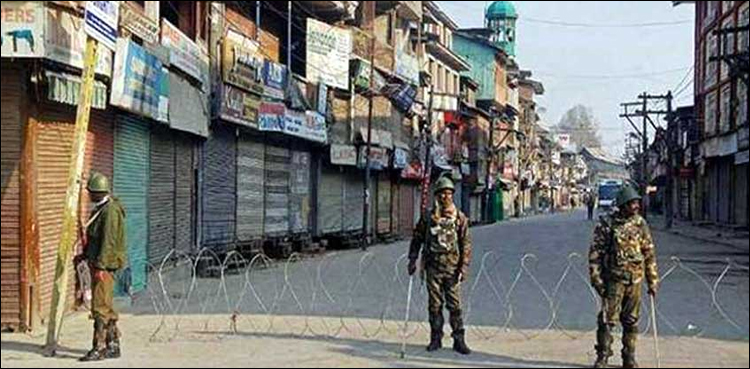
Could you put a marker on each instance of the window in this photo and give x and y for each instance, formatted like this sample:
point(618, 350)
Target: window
point(182, 14)
point(726, 6)
point(725, 119)
point(727, 47)
point(710, 114)
point(742, 104)
point(712, 50)
point(711, 10)
point(744, 19)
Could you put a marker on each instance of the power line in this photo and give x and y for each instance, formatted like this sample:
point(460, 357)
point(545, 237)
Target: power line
point(614, 76)
point(605, 25)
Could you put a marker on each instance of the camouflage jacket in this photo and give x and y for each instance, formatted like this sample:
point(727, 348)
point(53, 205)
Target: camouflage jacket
point(106, 247)
point(623, 251)
point(449, 246)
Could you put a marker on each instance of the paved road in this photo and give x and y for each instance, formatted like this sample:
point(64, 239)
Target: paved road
point(506, 292)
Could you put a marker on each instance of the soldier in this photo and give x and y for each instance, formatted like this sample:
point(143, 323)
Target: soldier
point(590, 203)
point(106, 254)
point(445, 264)
point(622, 253)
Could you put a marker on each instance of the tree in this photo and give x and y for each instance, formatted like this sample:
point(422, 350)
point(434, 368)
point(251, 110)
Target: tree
point(582, 126)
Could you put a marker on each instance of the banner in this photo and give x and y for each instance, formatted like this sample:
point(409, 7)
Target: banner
point(140, 83)
point(344, 155)
point(184, 53)
point(329, 49)
point(242, 62)
point(23, 29)
point(240, 107)
point(272, 117)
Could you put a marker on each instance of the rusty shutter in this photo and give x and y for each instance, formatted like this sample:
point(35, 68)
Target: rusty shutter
point(384, 204)
point(53, 149)
point(278, 173)
point(331, 201)
point(250, 189)
point(10, 144)
point(300, 192)
point(407, 209)
point(161, 194)
point(185, 185)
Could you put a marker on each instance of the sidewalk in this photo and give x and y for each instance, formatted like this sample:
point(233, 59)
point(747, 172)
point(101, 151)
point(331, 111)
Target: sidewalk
point(198, 347)
point(734, 238)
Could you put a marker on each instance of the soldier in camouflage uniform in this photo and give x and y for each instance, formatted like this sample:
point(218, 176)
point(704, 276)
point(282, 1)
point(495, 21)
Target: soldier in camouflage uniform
point(446, 255)
point(106, 254)
point(621, 255)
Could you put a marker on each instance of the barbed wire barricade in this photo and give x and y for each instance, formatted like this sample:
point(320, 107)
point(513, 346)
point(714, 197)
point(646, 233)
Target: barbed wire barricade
point(345, 294)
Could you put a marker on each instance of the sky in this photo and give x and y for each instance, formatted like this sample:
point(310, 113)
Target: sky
point(584, 62)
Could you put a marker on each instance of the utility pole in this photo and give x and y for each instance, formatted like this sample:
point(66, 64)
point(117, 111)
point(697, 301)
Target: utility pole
point(488, 176)
point(75, 169)
point(670, 160)
point(644, 158)
point(368, 150)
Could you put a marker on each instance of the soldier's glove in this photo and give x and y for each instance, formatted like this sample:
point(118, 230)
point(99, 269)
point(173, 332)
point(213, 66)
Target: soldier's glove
point(412, 267)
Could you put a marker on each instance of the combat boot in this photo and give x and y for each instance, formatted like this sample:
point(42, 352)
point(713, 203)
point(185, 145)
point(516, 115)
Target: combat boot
point(459, 343)
point(603, 343)
point(99, 349)
point(436, 341)
point(113, 341)
point(436, 328)
point(629, 338)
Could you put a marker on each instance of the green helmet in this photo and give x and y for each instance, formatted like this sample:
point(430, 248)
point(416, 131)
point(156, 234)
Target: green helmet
point(444, 183)
point(627, 194)
point(98, 183)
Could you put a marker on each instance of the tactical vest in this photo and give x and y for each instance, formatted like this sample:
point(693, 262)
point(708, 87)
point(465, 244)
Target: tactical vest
point(625, 259)
point(444, 236)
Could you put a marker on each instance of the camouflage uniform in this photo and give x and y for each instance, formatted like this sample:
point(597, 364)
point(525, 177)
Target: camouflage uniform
point(445, 257)
point(106, 254)
point(621, 256)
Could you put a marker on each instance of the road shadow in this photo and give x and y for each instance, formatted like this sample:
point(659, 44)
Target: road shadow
point(388, 354)
point(36, 349)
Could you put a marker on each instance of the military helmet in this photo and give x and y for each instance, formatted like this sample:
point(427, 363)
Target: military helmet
point(627, 194)
point(444, 183)
point(98, 183)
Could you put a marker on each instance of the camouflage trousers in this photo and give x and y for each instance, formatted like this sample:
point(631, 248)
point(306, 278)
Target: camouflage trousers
point(444, 290)
point(102, 309)
point(621, 303)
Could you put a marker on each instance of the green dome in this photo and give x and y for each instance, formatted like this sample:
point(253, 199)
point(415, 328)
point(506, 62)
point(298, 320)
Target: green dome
point(501, 9)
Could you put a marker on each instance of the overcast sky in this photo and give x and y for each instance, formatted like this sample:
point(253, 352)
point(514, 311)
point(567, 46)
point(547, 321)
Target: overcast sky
point(598, 66)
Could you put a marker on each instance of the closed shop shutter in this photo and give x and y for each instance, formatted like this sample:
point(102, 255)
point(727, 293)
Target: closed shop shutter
point(11, 92)
point(300, 192)
point(278, 167)
point(53, 149)
point(185, 185)
point(725, 191)
point(353, 201)
point(219, 193)
point(251, 189)
point(161, 195)
point(741, 210)
point(384, 204)
point(476, 208)
point(131, 181)
point(331, 201)
point(395, 208)
point(407, 209)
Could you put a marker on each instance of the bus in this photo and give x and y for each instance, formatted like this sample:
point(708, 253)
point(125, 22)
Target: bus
point(608, 191)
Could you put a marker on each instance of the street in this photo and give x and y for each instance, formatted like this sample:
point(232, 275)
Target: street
point(358, 298)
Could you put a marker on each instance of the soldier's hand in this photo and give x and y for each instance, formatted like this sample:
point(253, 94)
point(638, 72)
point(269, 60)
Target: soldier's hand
point(601, 290)
point(412, 267)
point(653, 290)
